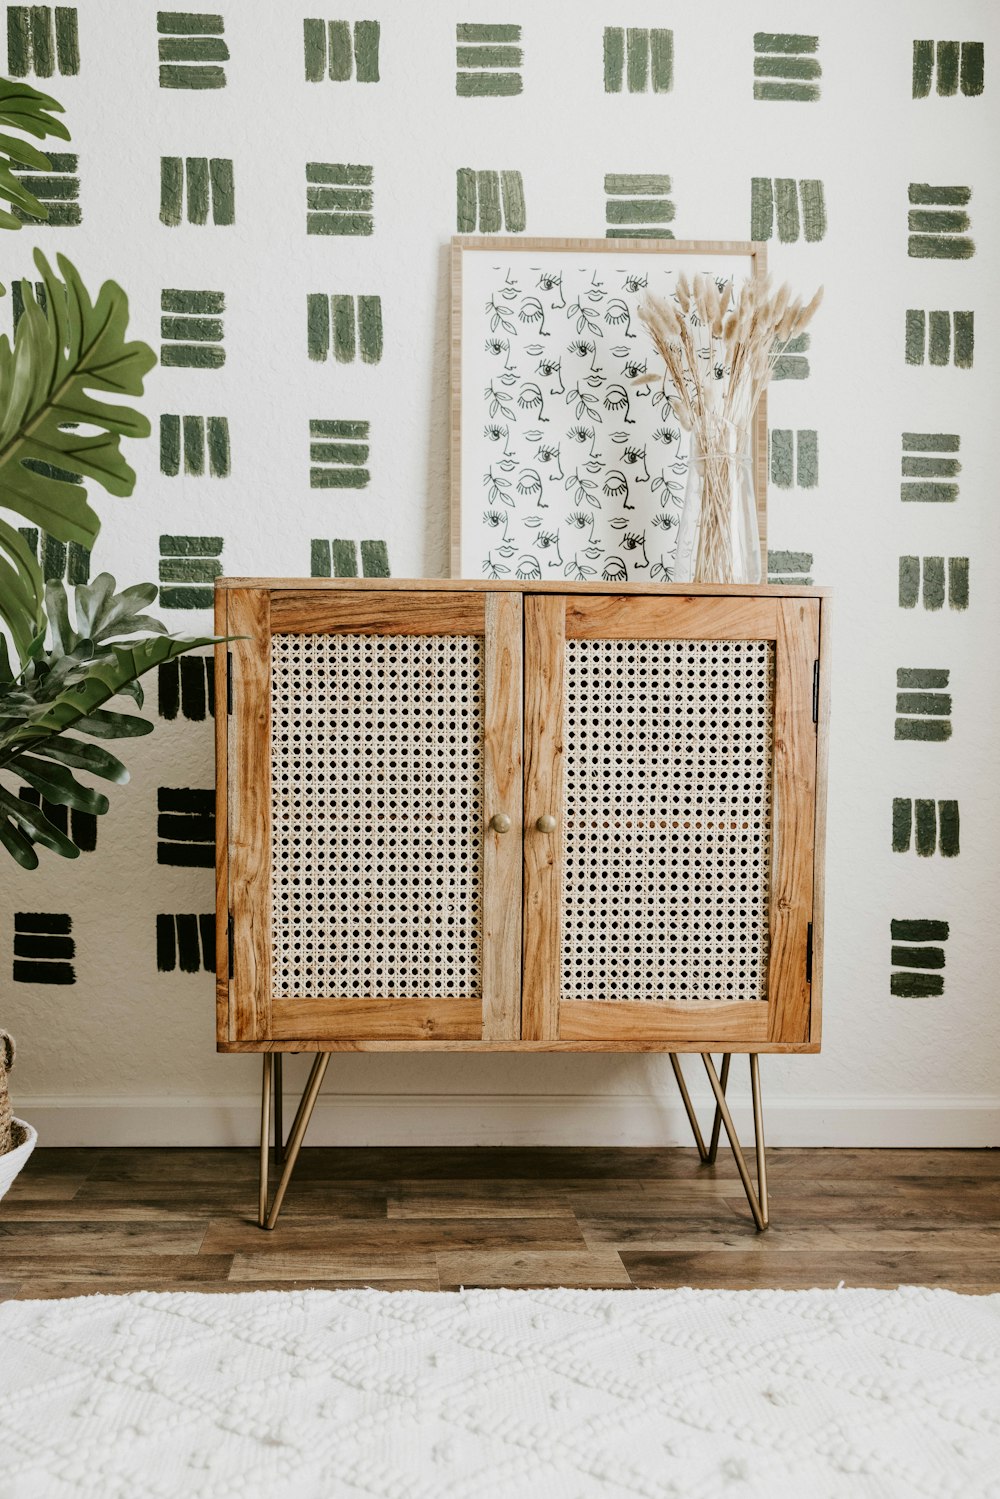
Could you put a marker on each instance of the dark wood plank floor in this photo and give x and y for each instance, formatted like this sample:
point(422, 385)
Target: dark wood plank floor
point(80, 1221)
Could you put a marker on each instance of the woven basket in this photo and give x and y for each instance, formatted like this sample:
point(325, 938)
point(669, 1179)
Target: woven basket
point(17, 1139)
point(6, 1063)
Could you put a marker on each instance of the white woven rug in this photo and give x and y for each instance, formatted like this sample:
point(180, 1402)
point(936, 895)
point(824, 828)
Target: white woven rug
point(561, 1394)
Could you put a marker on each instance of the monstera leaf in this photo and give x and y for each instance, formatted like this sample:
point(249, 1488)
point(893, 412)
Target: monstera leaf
point(52, 430)
point(64, 687)
point(24, 108)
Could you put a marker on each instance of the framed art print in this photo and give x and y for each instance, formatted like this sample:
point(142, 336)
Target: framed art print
point(562, 466)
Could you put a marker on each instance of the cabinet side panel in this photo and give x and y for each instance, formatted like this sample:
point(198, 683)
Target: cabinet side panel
point(795, 809)
point(819, 875)
point(221, 822)
point(250, 814)
point(503, 788)
point(544, 787)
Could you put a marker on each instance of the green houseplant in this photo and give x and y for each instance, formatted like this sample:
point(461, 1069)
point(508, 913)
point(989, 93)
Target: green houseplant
point(58, 673)
point(53, 432)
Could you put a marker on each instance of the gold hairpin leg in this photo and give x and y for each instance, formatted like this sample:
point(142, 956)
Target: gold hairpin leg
point(724, 1119)
point(707, 1155)
point(265, 1134)
point(302, 1118)
point(757, 1199)
point(682, 1089)
point(713, 1148)
point(758, 1133)
point(279, 1132)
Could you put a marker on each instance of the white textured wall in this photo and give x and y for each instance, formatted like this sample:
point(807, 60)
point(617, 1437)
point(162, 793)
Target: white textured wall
point(126, 1053)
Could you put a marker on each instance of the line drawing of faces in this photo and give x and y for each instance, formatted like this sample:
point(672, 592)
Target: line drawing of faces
point(529, 482)
point(551, 281)
point(530, 399)
point(532, 313)
point(548, 453)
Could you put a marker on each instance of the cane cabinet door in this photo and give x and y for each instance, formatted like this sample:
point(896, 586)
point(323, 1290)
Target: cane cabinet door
point(373, 738)
point(670, 776)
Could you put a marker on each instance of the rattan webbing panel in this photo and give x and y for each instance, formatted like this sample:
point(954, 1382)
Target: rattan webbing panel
point(669, 747)
point(376, 800)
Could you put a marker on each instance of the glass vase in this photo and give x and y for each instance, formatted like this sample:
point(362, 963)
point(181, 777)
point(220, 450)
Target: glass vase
point(717, 537)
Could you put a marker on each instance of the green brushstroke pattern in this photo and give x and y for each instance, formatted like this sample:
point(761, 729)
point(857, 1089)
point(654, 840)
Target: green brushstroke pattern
point(322, 427)
point(946, 57)
point(783, 41)
point(317, 325)
point(918, 957)
point(916, 985)
point(921, 929)
point(339, 173)
point(41, 38)
point(964, 340)
point(370, 329)
point(375, 559)
point(782, 69)
point(314, 39)
point(902, 818)
point(916, 334)
point(761, 208)
point(782, 458)
point(637, 59)
point(646, 183)
point(807, 458)
point(57, 190)
point(923, 68)
point(341, 448)
point(922, 676)
point(342, 309)
point(948, 823)
point(934, 704)
point(339, 198)
point(487, 85)
point(925, 842)
point(174, 299)
point(219, 458)
point(929, 730)
point(661, 59)
point(341, 51)
point(498, 197)
point(972, 68)
point(366, 47)
point(939, 337)
point(932, 569)
point(194, 336)
point(909, 582)
point(958, 582)
point(786, 67)
point(614, 59)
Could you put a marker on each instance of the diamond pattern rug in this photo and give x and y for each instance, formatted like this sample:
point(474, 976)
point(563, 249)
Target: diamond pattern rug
point(482, 1394)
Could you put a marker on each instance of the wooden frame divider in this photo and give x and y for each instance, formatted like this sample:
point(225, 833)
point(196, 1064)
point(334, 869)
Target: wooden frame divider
point(755, 252)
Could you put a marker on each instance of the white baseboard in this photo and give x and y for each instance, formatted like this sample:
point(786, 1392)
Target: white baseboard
point(935, 1121)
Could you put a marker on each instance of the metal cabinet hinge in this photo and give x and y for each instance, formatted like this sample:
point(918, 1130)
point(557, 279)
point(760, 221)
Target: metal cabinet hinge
point(229, 681)
point(232, 947)
point(809, 953)
point(815, 692)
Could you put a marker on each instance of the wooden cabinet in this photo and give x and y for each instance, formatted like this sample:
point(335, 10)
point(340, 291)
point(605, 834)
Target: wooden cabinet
point(478, 816)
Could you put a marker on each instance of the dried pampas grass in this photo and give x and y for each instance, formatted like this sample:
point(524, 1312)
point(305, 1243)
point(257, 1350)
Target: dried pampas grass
point(718, 353)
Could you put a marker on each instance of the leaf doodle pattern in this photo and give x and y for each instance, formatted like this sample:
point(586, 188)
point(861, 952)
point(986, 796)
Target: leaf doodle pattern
point(581, 469)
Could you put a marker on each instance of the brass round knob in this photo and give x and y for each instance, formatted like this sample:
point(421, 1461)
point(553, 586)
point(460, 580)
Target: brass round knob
point(500, 822)
point(546, 823)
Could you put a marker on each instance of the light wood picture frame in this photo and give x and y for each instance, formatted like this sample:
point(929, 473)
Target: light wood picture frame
point(561, 466)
